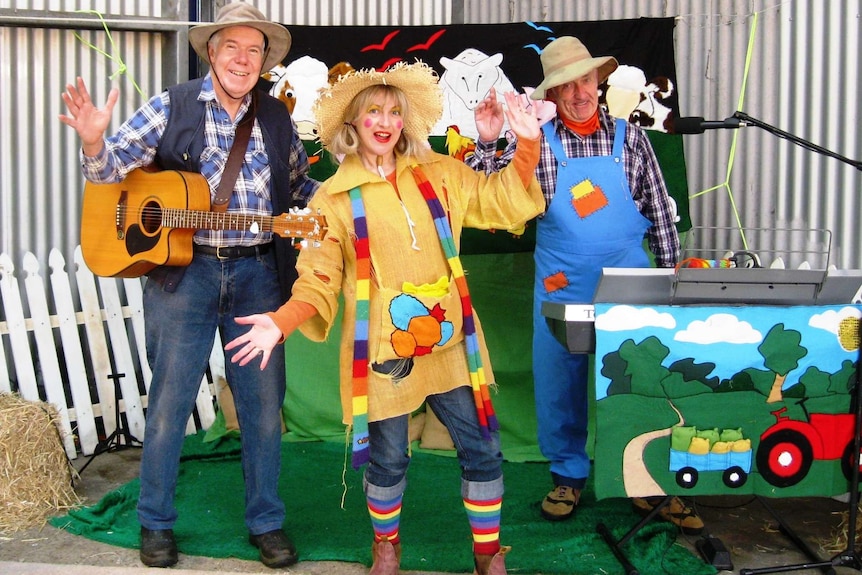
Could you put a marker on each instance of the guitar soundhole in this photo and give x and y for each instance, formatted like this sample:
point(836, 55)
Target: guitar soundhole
point(151, 218)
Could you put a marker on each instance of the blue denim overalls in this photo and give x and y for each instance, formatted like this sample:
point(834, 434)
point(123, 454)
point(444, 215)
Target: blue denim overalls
point(592, 222)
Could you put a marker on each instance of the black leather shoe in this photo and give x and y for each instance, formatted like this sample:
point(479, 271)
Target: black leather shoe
point(276, 550)
point(158, 547)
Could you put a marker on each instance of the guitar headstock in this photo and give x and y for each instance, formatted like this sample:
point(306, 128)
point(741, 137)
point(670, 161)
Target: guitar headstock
point(300, 223)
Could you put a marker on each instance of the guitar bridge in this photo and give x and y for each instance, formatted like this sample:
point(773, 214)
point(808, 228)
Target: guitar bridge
point(120, 216)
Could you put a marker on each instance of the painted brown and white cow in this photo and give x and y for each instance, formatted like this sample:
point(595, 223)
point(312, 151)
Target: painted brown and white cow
point(297, 85)
point(630, 96)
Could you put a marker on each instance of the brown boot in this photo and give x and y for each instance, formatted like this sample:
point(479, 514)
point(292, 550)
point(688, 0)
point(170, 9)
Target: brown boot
point(386, 557)
point(491, 564)
point(560, 503)
point(676, 512)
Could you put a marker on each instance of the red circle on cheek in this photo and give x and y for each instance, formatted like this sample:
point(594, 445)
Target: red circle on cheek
point(367, 123)
point(399, 124)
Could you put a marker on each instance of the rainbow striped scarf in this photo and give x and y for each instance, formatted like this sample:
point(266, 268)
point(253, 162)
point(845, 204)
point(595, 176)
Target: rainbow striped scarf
point(360, 338)
point(484, 408)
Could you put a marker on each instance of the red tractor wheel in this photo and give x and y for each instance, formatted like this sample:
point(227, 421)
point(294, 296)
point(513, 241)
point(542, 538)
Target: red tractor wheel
point(784, 458)
point(847, 462)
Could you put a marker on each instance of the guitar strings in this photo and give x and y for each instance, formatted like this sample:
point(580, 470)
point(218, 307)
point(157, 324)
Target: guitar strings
point(156, 216)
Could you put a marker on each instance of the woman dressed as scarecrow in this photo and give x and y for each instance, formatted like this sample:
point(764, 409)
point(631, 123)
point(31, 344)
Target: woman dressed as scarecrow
point(395, 211)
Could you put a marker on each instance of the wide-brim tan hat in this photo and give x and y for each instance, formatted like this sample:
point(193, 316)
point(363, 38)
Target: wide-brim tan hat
point(244, 14)
point(418, 81)
point(566, 59)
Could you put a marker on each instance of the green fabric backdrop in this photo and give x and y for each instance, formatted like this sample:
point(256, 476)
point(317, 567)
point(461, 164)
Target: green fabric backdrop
point(501, 288)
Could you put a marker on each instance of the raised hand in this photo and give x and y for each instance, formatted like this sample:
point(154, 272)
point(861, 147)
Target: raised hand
point(489, 118)
point(521, 115)
point(89, 121)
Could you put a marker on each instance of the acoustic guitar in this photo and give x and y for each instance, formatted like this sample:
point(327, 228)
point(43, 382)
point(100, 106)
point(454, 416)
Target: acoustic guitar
point(148, 220)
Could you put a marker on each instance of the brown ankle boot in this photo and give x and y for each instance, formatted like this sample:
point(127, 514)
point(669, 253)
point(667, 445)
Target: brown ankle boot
point(386, 557)
point(491, 564)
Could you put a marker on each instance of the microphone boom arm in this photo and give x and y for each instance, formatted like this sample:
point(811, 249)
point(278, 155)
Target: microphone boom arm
point(742, 116)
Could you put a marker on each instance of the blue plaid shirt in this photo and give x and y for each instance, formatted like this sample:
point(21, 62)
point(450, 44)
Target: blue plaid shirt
point(137, 140)
point(644, 175)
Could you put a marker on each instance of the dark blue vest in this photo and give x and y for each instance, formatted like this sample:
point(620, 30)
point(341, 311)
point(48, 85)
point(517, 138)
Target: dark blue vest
point(183, 142)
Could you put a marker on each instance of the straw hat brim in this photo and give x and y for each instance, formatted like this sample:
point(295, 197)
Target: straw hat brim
point(277, 36)
point(418, 81)
point(605, 65)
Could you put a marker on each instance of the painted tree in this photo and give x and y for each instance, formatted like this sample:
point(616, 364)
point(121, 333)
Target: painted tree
point(693, 371)
point(643, 365)
point(781, 354)
point(843, 380)
point(614, 368)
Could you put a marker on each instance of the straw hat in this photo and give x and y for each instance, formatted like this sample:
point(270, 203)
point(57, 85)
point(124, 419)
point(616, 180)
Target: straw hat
point(418, 81)
point(566, 59)
point(244, 14)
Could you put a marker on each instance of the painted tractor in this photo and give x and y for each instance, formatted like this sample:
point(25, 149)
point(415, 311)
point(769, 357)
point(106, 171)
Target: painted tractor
point(789, 447)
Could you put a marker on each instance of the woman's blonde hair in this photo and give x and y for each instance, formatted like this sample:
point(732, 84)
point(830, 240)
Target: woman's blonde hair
point(345, 140)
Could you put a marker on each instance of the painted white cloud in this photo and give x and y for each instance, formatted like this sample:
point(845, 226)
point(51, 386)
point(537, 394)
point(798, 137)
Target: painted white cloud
point(719, 328)
point(626, 317)
point(830, 319)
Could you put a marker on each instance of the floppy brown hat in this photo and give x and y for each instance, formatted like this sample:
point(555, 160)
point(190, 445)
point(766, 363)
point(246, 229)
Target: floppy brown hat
point(566, 59)
point(244, 14)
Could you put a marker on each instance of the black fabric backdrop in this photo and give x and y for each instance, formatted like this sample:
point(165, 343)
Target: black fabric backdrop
point(645, 43)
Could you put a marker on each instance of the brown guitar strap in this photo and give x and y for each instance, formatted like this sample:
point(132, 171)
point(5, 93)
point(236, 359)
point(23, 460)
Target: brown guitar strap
point(234, 159)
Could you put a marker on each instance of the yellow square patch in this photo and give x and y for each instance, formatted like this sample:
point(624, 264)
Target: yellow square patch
point(587, 198)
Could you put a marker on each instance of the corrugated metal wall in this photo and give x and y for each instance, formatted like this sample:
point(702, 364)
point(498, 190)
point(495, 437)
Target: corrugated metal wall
point(802, 77)
point(43, 46)
point(359, 12)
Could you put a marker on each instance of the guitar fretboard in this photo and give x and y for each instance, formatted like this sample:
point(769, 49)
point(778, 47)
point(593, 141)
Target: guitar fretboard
point(296, 224)
point(175, 218)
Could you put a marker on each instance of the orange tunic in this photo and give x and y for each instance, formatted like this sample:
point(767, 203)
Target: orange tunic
point(471, 199)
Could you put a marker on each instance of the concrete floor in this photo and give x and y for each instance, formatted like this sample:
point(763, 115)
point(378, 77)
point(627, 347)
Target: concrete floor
point(750, 536)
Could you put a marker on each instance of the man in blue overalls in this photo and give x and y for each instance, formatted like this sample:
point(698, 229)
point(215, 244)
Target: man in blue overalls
point(604, 191)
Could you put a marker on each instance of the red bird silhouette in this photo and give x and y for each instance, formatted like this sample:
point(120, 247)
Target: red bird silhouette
point(428, 42)
point(383, 44)
point(387, 63)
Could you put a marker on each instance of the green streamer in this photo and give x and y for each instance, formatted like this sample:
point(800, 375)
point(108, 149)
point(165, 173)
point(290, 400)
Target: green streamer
point(122, 68)
point(732, 154)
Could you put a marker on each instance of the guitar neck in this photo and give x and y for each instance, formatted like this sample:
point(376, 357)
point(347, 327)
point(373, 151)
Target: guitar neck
point(205, 220)
point(295, 224)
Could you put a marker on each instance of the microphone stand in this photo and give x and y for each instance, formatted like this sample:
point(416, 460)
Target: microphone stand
point(849, 557)
point(748, 120)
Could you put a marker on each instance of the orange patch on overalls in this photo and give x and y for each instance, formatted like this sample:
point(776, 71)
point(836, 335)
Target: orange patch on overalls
point(587, 198)
point(555, 282)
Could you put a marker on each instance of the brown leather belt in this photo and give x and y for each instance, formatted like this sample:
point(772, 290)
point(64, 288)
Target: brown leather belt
point(233, 252)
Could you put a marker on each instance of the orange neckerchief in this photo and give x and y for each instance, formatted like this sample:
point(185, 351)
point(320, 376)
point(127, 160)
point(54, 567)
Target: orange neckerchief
point(584, 128)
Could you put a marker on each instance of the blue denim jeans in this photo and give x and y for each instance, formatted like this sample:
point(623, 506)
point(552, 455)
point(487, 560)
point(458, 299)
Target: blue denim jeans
point(481, 459)
point(180, 328)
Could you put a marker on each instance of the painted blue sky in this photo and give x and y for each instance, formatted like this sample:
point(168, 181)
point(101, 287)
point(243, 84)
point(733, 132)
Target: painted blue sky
point(727, 336)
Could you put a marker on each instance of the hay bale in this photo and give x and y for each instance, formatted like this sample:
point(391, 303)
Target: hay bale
point(35, 474)
point(839, 542)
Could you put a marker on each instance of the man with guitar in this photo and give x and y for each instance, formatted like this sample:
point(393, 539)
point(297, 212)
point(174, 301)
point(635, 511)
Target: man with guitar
point(194, 127)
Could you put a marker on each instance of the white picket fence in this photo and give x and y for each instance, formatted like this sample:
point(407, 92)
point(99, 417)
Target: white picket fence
point(55, 361)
